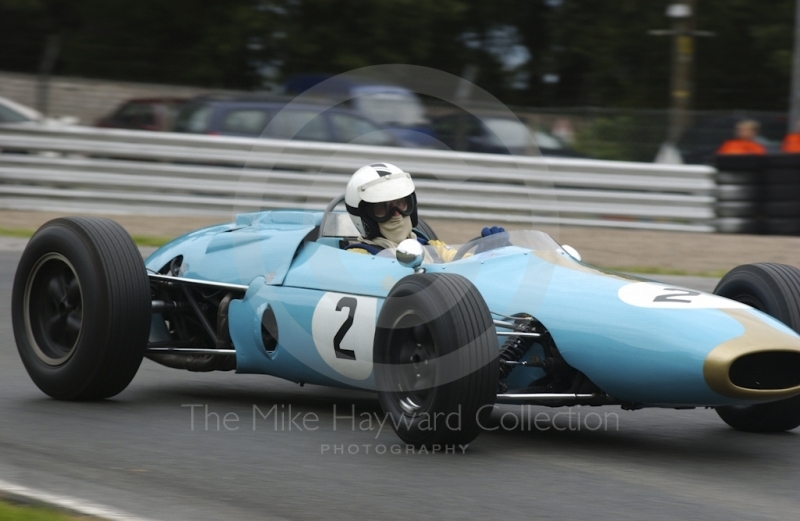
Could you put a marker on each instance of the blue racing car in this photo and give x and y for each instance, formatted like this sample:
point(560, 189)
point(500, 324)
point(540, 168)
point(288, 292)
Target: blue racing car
point(513, 318)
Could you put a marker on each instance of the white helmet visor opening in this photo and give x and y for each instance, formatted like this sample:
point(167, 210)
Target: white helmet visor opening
point(383, 211)
point(387, 188)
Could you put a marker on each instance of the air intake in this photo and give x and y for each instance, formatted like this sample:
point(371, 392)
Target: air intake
point(766, 370)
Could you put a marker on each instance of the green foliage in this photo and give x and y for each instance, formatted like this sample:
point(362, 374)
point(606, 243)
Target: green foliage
point(623, 137)
point(747, 64)
point(604, 56)
point(599, 51)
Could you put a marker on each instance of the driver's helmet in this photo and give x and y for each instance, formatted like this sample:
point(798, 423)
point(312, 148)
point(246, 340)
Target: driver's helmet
point(373, 194)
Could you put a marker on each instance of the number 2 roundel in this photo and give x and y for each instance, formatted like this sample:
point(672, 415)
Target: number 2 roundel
point(343, 328)
point(655, 295)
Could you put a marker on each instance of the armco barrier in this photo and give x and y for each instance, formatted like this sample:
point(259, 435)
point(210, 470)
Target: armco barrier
point(102, 170)
point(759, 194)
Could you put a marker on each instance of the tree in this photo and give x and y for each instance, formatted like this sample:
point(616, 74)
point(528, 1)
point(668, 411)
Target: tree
point(526, 52)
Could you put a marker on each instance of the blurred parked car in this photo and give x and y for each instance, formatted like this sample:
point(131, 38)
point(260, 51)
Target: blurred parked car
point(700, 142)
point(13, 112)
point(275, 118)
point(497, 135)
point(144, 114)
point(397, 109)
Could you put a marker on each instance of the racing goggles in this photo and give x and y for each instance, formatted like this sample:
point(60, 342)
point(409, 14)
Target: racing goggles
point(383, 211)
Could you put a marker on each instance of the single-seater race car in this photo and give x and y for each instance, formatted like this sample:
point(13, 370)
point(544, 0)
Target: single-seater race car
point(514, 319)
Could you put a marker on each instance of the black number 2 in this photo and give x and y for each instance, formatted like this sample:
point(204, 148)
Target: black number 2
point(673, 297)
point(350, 303)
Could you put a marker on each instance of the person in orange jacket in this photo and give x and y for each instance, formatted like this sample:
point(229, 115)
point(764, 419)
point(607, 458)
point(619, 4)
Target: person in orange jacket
point(744, 143)
point(791, 143)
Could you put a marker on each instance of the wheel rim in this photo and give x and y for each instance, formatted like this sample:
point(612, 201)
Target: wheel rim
point(53, 309)
point(412, 365)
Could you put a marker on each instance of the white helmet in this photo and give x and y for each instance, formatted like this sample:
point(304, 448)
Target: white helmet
point(379, 183)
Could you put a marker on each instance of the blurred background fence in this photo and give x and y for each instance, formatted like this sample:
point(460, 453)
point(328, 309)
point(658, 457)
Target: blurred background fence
point(109, 170)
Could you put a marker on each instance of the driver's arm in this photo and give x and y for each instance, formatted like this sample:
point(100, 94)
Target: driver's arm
point(445, 252)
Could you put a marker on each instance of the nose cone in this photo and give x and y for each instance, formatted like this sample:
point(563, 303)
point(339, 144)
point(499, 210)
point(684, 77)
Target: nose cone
point(761, 364)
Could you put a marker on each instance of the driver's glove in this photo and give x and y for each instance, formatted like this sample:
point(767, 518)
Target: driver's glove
point(491, 231)
point(494, 237)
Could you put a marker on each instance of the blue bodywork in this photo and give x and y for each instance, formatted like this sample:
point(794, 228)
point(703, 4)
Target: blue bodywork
point(639, 341)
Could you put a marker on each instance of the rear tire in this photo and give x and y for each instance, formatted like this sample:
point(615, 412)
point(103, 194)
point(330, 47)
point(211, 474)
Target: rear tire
point(775, 290)
point(81, 308)
point(436, 360)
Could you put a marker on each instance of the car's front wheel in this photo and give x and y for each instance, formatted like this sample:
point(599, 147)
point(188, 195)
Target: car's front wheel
point(81, 308)
point(436, 360)
point(775, 290)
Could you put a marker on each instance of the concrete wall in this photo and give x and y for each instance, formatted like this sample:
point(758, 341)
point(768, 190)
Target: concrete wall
point(86, 99)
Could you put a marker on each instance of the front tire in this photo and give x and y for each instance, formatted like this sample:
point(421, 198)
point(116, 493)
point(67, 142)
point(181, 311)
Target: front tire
point(436, 360)
point(775, 290)
point(81, 308)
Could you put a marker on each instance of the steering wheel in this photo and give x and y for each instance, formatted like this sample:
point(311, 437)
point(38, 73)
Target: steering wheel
point(489, 242)
point(465, 248)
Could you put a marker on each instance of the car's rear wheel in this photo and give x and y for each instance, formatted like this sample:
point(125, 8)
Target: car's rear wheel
point(81, 308)
point(775, 290)
point(436, 360)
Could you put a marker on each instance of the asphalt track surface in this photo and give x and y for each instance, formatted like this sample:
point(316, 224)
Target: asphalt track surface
point(141, 453)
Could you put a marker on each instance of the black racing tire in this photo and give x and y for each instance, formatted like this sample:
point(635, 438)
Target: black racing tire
point(782, 209)
point(736, 225)
point(436, 360)
point(782, 226)
point(737, 192)
point(735, 209)
point(424, 228)
point(81, 308)
point(781, 176)
point(775, 290)
point(737, 178)
point(783, 192)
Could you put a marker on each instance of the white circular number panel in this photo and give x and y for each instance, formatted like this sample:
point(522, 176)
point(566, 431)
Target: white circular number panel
point(343, 327)
point(654, 295)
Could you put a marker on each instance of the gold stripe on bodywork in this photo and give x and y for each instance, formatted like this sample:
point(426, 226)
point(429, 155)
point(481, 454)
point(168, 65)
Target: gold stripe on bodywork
point(758, 337)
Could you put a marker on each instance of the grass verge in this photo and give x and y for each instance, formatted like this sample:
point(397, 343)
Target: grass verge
point(653, 270)
point(15, 512)
point(146, 240)
point(140, 240)
point(16, 232)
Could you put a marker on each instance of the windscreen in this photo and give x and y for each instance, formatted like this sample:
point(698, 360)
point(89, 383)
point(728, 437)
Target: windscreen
point(532, 240)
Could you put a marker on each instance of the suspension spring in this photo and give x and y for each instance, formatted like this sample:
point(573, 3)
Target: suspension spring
point(515, 346)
